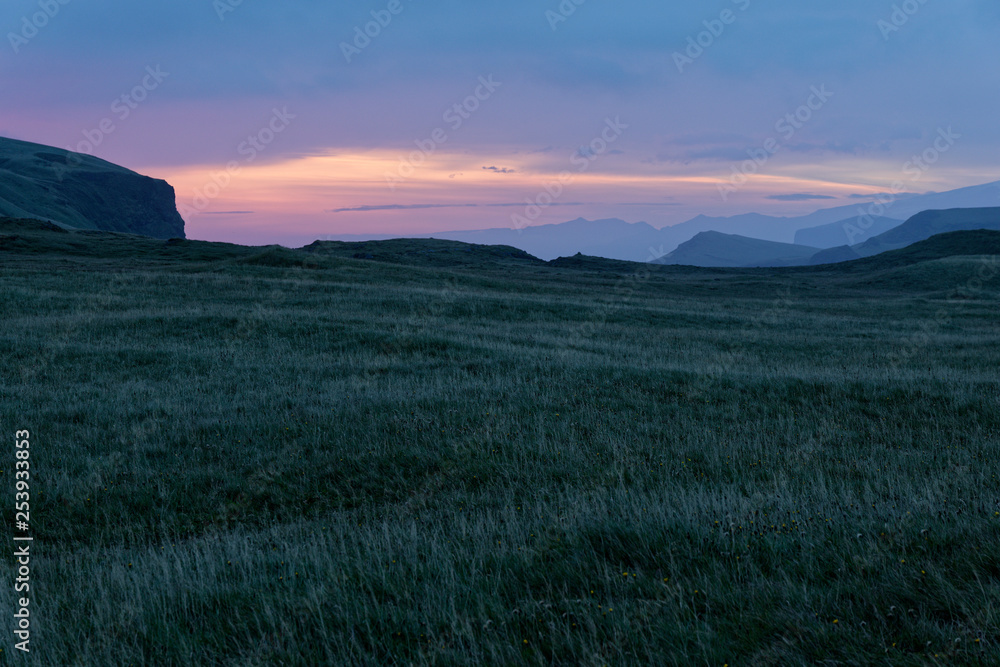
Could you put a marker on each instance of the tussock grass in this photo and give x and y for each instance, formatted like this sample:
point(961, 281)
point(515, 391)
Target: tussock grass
point(353, 462)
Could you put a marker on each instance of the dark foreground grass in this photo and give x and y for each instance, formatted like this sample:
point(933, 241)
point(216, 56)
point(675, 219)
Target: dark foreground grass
point(266, 460)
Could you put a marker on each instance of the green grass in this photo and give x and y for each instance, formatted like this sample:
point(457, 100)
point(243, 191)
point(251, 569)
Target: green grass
point(272, 457)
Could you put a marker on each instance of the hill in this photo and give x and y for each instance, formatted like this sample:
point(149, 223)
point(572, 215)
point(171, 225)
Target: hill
point(281, 457)
point(641, 242)
point(84, 192)
point(932, 266)
point(952, 266)
point(733, 250)
point(429, 252)
point(30, 239)
point(850, 230)
point(918, 228)
point(965, 243)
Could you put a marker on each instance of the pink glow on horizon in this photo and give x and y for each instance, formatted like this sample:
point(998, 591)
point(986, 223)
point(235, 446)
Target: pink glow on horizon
point(293, 201)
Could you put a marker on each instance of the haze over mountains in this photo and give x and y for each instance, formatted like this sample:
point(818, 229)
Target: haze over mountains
point(732, 250)
point(617, 239)
point(921, 226)
point(81, 191)
point(853, 230)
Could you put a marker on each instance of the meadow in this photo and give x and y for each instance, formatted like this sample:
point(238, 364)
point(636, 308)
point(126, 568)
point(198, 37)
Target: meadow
point(273, 457)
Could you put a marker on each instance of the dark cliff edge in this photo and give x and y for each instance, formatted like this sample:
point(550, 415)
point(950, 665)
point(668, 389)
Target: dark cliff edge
point(84, 192)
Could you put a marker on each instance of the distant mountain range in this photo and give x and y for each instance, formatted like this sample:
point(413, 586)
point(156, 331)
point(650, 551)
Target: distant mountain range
point(34, 240)
point(731, 250)
point(921, 226)
point(640, 242)
point(83, 192)
point(853, 230)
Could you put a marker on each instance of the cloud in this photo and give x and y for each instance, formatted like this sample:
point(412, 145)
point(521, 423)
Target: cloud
point(710, 138)
point(901, 195)
point(500, 170)
point(804, 196)
point(226, 75)
point(396, 207)
point(411, 207)
point(710, 154)
point(648, 204)
point(841, 147)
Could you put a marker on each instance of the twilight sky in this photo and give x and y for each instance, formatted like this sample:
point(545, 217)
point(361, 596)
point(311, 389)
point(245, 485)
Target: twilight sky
point(284, 122)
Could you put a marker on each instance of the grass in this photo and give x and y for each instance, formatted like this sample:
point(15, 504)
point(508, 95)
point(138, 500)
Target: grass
point(272, 457)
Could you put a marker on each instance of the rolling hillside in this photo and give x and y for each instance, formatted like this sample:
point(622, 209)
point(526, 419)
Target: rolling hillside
point(918, 228)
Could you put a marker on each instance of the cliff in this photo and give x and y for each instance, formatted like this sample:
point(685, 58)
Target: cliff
point(84, 192)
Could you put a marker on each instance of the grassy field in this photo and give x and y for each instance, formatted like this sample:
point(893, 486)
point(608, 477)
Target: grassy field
point(273, 457)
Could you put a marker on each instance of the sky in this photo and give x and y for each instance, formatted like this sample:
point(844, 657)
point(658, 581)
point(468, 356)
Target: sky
point(287, 122)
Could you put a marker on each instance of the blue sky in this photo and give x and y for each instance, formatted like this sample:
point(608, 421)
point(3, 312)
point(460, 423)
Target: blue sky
point(897, 73)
